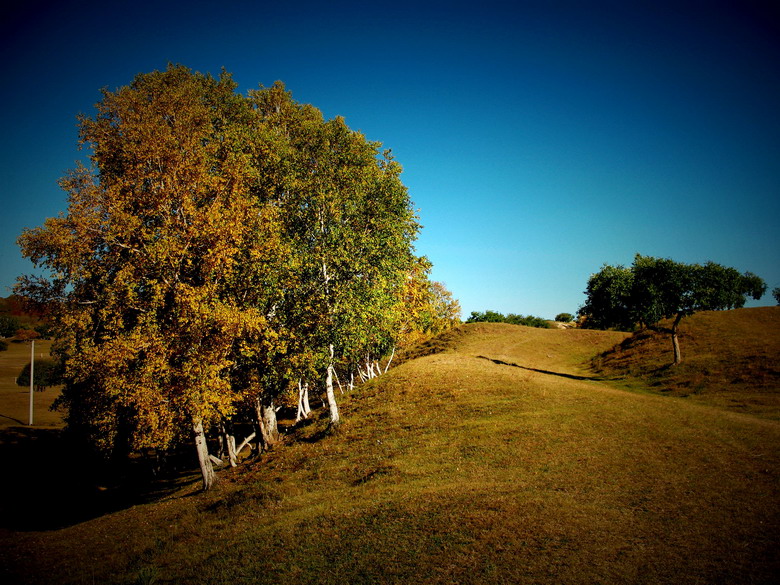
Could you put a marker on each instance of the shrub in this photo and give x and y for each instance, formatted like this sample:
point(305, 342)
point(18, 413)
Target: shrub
point(495, 317)
point(486, 317)
point(8, 325)
point(47, 373)
point(564, 317)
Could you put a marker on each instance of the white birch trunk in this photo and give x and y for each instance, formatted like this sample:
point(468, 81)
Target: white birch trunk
point(231, 450)
point(300, 415)
point(392, 355)
point(245, 443)
point(206, 468)
point(306, 405)
point(266, 421)
point(303, 401)
point(336, 375)
point(331, 397)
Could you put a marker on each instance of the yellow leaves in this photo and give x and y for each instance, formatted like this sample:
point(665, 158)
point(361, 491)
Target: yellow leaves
point(193, 252)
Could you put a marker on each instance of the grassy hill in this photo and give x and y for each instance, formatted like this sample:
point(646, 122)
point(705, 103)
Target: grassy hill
point(730, 359)
point(493, 456)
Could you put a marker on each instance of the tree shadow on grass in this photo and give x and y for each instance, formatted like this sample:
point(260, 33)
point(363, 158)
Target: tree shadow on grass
point(46, 485)
point(560, 374)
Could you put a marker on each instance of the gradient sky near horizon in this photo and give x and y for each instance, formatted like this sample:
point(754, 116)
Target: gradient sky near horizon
point(539, 140)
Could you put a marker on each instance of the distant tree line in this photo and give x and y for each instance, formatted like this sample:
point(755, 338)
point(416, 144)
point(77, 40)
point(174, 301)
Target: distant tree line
point(221, 255)
point(496, 317)
point(653, 289)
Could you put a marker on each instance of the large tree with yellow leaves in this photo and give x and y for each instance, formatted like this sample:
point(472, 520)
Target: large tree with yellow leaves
point(217, 251)
point(144, 263)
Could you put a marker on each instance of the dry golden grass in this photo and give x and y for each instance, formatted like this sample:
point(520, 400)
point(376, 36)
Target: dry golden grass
point(497, 459)
point(731, 359)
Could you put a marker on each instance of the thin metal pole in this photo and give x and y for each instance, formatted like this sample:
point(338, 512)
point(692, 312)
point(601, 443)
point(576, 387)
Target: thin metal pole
point(32, 376)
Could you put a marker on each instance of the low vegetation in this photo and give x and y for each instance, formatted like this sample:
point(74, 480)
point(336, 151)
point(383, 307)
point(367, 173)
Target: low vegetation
point(496, 454)
point(511, 318)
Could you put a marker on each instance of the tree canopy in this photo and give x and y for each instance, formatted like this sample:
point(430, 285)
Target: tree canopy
point(653, 289)
point(217, 250)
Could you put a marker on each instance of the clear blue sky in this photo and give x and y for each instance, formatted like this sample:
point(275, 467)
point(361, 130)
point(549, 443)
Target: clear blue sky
point(539, 140)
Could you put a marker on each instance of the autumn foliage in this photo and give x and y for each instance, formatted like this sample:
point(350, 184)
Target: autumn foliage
point(217, 251)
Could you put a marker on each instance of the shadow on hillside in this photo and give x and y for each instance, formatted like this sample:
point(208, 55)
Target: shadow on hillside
point(560, 374)
point(46, 487)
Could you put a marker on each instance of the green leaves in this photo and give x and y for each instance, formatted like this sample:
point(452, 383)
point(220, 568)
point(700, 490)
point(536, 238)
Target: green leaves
point(659, 288)
point(218, 248)
point(653, 289)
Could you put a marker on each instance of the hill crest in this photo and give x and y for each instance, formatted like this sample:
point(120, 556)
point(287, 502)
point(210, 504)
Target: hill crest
point(731, 359)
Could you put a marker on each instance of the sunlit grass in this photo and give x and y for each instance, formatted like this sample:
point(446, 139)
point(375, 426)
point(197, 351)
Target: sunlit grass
point(453, 468)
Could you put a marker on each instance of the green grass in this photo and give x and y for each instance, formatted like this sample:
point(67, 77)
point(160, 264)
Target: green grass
point(524, 467)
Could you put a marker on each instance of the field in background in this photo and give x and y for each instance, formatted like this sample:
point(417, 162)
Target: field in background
point(15, 400)
point(496, 455)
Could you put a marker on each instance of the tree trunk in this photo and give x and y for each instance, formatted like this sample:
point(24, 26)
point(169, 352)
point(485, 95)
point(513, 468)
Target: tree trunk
point(306, 404)
point(230, 440)
point(206, 468)
point(245, 443)
point(266, 422)
point(334, 409)
point(675, 341)
point(392, 355)
point(336, 376)
point(303, 401)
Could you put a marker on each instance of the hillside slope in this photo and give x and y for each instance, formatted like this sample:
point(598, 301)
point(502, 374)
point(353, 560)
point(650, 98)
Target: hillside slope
point(497, 459)
point(731, 359)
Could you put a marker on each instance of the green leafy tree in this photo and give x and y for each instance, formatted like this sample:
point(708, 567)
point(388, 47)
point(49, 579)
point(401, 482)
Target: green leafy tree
point(9, 325)
point(218, 251)
point(658, 288)
point(564, 318)
point(486, 317)
point(776, 294)
point(349, 225)
point(511, 318)
point(428, 308)
point(47, 373)
point(609, 302)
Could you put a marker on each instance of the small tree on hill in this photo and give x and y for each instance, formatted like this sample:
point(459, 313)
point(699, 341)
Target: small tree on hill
point(659, 288)
point(776, 294)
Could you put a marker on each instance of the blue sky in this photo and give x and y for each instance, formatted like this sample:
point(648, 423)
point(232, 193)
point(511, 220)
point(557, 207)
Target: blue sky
point(539, 140)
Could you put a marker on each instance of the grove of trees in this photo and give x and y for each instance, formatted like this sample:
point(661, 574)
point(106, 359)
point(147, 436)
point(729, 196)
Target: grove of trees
point(652, 289)
point(220, 253)
point(512, 318)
